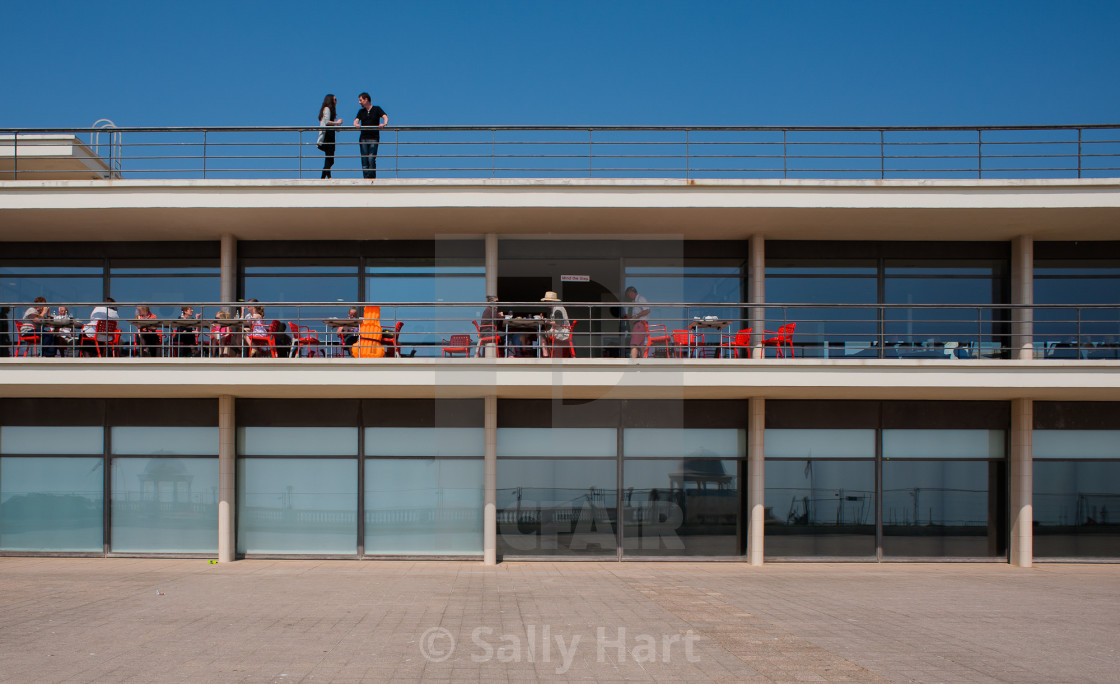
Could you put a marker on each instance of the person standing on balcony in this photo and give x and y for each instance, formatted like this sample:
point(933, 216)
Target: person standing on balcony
point(637, 314)
point(372, 119)
point(326, 136)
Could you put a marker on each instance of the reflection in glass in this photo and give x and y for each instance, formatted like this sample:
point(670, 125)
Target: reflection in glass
point(942, 508)
point(680, 507)
point(51, 504)
point(983, 444)
point(820, 443)
point(1077, 509)
point(559, 442)
point(678, 442)
point(431, 442)
point(297, 505)
point(416, 506)
point(54, 439)
point(556, 507)
point(297, 441)
point(144, 441)
point(165, 505)
point(820, 508)
point(1074, 444)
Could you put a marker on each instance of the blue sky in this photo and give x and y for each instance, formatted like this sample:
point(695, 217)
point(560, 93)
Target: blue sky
point(608, 62)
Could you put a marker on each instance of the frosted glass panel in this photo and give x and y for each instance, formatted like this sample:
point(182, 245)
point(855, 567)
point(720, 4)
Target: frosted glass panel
point(165, 505)
point(154, 441)
point(423, 506)
point(297, 441)
point(561, 442)
point(1077, 443)
point(820, 444)
point(943, 444)
point(297, 505)
point(17, 439)
point(677, 443)
point(51, 504)
point(424, 442)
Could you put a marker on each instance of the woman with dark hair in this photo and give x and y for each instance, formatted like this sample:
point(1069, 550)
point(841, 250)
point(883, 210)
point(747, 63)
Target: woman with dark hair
point(326, 136)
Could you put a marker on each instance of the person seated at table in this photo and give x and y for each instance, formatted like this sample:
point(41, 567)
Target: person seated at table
point(281, 340)
point(492, 323)
point(560, 328)
point(257, 337)
point(348, 334)
point(89, 330)
point(186, 338)
point(221, 336)
point(148, 338)
point(65, 333)
point(32, 324)
point(637, 314)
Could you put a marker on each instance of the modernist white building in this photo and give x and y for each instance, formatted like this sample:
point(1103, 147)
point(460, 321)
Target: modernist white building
point(953, 391)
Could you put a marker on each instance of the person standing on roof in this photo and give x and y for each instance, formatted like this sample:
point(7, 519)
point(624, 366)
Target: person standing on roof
point(372, 119)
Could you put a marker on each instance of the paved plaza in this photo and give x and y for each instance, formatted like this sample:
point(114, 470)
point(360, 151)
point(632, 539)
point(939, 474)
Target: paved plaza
point(154, 620)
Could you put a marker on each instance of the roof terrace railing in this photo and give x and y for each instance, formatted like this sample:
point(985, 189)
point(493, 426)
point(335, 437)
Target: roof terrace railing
point(662, 152)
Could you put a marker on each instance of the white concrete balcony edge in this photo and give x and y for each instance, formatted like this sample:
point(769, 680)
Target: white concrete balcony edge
point(570, 378)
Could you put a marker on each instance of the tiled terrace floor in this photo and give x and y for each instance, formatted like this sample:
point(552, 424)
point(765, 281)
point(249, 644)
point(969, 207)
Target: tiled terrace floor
point(290, 621)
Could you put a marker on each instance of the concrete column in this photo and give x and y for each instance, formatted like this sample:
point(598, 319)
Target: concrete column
point(1021, 552)
point(490, 483)
point(1022, 292)
point(491, 350)
point(229, 268)
point(756, 478)
point(227, 479)
point(756, 292)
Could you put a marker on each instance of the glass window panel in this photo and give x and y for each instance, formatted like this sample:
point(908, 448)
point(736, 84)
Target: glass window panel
point(165, 505)
point(1076, 444)
point(943, 444)
point(562, 442)
point(1076, 509)
point(822, 290)
point(820, 508)
point(942, 509)
point(867, 267)
point(47, 269)
point(820, 443)
point(557, 507)
point(343, 290)
point(56, 290)
point(422, 507)
point(51, 504)
point(675, 443)
point(425, 442)
point(297, 441)
point(176, 289)
point(189, 441)
point(20, 439)
point(297, 505)
point(426, 326)
point(680, 507)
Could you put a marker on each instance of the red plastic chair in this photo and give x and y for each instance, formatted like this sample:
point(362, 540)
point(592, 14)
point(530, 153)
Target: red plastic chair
point(683, 343)
point(732, 344)
point(304, 338)
point(105, 328)
point(392, 340)
point(782, 338)
point(487, 334)
point(458, 344)
point(563, 349)
point(263, 341)
point(29, 344)
point(658, 334)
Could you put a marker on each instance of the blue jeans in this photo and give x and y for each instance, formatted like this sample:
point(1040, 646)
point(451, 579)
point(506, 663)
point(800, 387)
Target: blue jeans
point(368, 150)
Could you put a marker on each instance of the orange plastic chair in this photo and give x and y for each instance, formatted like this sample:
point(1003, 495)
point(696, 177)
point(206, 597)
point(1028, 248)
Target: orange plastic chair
point(683, 343)
point(658, 334)
point(732, 344)
point(458, 344)
point(784, 337)
point(369, 344)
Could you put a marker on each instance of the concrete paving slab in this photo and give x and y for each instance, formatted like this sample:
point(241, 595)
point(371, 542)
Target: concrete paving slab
point(152, 620)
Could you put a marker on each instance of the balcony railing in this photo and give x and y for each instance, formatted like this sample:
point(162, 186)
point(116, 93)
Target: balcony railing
point(594, 330)
point(666, 152)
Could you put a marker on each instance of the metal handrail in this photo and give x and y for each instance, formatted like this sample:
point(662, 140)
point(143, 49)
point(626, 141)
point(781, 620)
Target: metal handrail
point(682, 152)
point(940, 331)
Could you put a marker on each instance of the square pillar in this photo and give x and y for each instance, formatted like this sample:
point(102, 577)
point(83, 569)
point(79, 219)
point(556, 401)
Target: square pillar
point(227, 480)
point(1021, 551)
point(756, 479)
point(490, 482)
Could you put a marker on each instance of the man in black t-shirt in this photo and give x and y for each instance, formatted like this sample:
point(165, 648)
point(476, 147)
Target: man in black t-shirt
point(371, 118)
